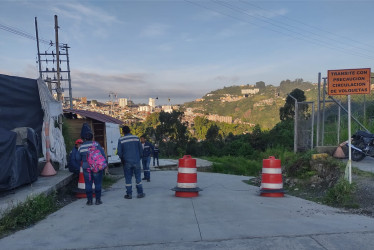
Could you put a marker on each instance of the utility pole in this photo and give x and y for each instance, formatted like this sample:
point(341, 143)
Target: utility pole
point(57, 61)
point(37, 45)
point(58, 88)
point(111, 95)
point(68, 65)
point(48, 74)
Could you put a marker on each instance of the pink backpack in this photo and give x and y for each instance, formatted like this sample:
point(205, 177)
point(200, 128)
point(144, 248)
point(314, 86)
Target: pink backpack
point(95, 159)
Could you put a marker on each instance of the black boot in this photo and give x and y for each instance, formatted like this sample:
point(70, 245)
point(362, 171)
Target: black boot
point(98, 202)
point(89, 202)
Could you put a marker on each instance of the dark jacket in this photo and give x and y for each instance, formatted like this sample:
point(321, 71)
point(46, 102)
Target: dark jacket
point(147, 150)
point(156, 150)
point(129, 149)
point(83, 150)
point(74, 164)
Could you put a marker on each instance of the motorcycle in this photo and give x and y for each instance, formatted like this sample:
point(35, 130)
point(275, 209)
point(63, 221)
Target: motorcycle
point(362, 144)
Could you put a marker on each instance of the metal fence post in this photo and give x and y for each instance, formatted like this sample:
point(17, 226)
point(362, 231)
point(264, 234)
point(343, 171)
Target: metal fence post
point(318, 108)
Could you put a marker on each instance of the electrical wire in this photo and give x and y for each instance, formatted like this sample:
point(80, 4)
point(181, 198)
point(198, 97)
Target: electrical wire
point(300, 36)
point(311, 32)
point(319, 29)
point(19, 32)
point(271, 22)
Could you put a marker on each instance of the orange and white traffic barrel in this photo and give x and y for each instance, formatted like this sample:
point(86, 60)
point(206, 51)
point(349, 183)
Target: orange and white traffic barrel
point(187, 178)
point(272, 182)
point(80, 192)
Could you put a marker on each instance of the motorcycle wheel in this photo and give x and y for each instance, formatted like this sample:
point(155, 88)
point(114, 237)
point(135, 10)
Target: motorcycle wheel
point(357, 155)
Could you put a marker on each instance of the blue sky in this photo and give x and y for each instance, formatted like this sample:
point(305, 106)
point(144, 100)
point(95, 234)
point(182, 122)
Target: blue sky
point(183, 49)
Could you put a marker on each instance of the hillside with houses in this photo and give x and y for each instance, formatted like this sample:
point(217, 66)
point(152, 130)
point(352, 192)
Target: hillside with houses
point(249, 104)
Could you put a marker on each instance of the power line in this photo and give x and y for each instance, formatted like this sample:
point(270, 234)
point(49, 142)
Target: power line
point(271, 22)
point(314, 27)
point(300, 37)
point(19, 32)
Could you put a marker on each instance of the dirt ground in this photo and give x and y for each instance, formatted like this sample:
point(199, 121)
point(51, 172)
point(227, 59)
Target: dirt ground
point(363, 197)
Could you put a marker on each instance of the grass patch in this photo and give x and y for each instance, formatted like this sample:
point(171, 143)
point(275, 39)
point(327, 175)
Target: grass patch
point(27, 213)
point(235, 165)
point(360, 172)
point(108, 181)
point(341, 195)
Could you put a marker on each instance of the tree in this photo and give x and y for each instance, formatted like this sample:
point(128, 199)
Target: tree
point(213, 133)
point(260, 85)
point(171, 128)
point(287, 112)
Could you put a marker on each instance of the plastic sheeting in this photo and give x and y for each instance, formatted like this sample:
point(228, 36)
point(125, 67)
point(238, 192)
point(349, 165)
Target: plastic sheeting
point(20, 104)
point(7, 148)
point(19, 157)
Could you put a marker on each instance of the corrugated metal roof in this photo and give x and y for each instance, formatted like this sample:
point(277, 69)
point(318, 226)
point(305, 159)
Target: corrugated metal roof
point(94, 115)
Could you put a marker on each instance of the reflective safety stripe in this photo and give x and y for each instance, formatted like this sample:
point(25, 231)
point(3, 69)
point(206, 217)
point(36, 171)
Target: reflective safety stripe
point(128, 185)
point(271, 171)
point(84, 148)
point(272, 185)
point(186, 185)
point(140, 183)
point(129, 140)
point(147, 170)
point(187, 170)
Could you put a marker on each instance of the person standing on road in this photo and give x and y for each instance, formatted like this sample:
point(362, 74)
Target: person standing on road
point(89, 176)
point(130, 151)
point(156, 151)
point(146, 157)
point(73, 164)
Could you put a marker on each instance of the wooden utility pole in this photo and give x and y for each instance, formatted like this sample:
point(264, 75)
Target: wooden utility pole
point(68, 65)
point(37, 45)
point(58, 87)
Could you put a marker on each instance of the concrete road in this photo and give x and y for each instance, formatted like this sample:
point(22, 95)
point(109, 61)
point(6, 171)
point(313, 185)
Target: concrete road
point(228, 214)
point(367, 164)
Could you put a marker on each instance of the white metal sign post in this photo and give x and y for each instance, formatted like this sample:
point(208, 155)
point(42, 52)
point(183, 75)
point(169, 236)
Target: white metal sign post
point(349, 82)
point(349, 164)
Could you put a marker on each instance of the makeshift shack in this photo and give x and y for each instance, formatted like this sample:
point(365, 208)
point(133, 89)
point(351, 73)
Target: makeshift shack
point(25, 107)
point(106, 129)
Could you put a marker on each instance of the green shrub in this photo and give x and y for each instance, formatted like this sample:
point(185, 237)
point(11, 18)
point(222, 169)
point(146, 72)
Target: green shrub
point(341, 194)
point(235, 165)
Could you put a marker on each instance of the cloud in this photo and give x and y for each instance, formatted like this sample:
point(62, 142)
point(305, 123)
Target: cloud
point(155, 30)
point(83, 12)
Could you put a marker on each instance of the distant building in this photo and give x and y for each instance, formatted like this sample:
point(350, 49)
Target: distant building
point(218, 118)
point(144, 108)
point(189, 111)
point(167, 108)
point(122, 102)
point(84, 100)
point(250, 91)
point(152, 102)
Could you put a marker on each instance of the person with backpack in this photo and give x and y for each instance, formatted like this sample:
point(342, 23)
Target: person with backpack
point(146, 157)
point(130, 151)
point(73, 164)
point(94, 163)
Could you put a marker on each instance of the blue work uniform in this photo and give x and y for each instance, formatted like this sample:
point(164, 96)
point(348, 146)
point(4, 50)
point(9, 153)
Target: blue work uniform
point(156, 151)
point(74, 164)
point(146, 159)
point(130, 151)
point(90, 177)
